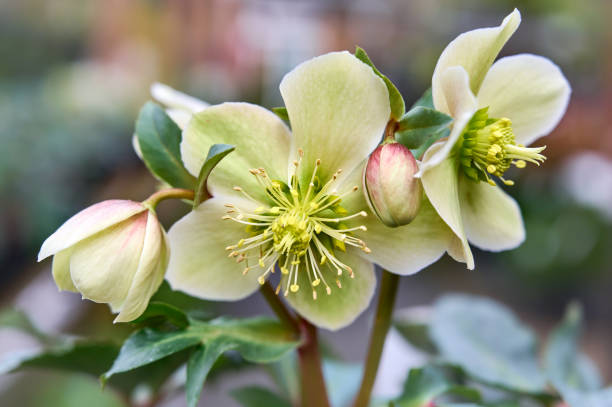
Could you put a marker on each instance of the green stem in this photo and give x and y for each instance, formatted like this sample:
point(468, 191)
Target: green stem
point(170, 193)
point(279, 308)
point(384, 309)
point(313, 390)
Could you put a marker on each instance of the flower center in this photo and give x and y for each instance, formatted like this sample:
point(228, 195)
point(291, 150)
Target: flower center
point(488, 148)
point(298, 230)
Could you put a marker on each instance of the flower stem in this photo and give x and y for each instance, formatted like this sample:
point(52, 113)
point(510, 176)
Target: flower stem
point(170, 193)
point(313, 390)
point(279, 308)
point(382, 322)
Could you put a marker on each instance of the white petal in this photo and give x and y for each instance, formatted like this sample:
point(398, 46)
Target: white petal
point(88, 222)
point(343, 305)
point(260, 137)
point(338, 110)
point(491, 217)
point(61, 270)
point(441, 184)
point(199, 264)
point(103, 266)
point(475, 51)
point(150, 273)
point(462, 105)
point(529, 90)
point(172, 98)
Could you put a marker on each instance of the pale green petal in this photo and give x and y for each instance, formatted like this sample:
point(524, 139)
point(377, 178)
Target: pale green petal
point(407, 249)
point(103, 266)
point(338, 110)
point(88, 222)
point(491, 217)
point(462, 105)
point(150, 273)
point(475, 51)
point(260, 137)
point(343, 305)
point(174, 99)
point(529, 90)
point(441, 184)
point(61, 270)
point(199, 263)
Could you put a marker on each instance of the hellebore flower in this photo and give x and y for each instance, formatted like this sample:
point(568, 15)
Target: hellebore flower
point(289, 201)
point(392, 192)
point(113, 252)
point(498, 108)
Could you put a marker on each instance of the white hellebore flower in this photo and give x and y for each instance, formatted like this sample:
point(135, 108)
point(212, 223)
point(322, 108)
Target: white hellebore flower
point(498, 109)
point(113, 252)
point(289, 201)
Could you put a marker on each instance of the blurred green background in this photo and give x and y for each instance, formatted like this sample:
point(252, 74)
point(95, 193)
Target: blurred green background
point(73, 75)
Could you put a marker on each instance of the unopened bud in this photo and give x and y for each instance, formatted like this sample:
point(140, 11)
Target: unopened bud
point(391, 190)
point(114, 252)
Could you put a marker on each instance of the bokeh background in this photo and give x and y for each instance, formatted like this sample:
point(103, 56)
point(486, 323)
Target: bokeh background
point(73, 75)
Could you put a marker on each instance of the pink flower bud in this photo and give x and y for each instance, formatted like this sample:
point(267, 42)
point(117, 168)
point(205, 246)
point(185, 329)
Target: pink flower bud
point(113, 252)
point(392, 192)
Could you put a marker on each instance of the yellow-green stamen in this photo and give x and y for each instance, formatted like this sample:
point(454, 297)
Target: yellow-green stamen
point(297, 231)
point(488, 147)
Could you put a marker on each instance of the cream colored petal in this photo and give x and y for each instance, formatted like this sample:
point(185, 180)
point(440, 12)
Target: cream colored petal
point(491, 217)
point(260, 137)
point(150, 273)
point(475, 51)
point(88, 222)
point(441, 184)
point(174, 99)
point(61, 270)
point(462, 105)
point(338, 110)
point(199, 264)
point(529, 90)
point(103, 266)
point(343, 305)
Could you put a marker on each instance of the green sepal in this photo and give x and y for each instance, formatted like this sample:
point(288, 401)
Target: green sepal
point(282, 113)
point(215, 154)
point(419, 128)
point(426, 100)
point(159, 139)
point(396, 101)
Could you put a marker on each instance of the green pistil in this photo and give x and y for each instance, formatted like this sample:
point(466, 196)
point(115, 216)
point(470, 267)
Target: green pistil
point(488, 147)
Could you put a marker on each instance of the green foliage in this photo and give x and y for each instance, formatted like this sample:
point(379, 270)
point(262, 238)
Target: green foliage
point(215, 154)
point(419, 128)
point(159, 139)
point(158, 312)
point(258, 340)
point(253, 396)
point(426, 100)
point(344, 379)
point(282, 113)
point(396, 101)
point(415, 330)
point(13, 318)
point(424, 385)
point(488, 342)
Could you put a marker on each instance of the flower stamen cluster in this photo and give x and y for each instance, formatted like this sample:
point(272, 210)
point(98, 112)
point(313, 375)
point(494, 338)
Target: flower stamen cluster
point(488, 147)
point(298, 231)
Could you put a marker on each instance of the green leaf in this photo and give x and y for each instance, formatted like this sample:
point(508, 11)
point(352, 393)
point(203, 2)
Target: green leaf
point(601, 398)
point(199, 366)
point(13, 318)
point(396, 101)
point(571, 372)
point(281, 112)
point(343, 381)
point(159, 139)
point(424, 101)
point(160, 311)
point(421, 125)
point(285, 374)
point(424, 384)
point(72, 391)
point(488, 342)
point(413, 325)
point(253, 396)
point(215, 154)
point(85, 357)
point(418, 152)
